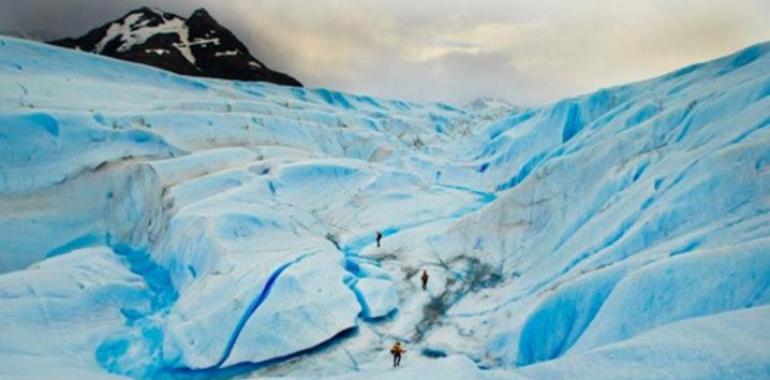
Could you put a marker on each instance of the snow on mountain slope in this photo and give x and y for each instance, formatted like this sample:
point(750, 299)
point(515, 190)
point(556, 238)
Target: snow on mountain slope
point(197, 46)
point(171, 227)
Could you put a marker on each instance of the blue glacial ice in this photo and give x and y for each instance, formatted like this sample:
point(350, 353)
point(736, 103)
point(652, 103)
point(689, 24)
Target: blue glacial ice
point(159, 226)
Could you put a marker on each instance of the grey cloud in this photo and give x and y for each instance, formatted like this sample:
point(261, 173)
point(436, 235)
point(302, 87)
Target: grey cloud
point(451, 50)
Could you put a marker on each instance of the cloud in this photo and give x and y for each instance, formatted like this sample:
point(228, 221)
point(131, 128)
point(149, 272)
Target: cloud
point(527, 52)
point(452, 50)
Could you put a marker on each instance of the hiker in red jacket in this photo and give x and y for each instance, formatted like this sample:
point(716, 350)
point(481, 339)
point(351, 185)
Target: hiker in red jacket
point(424, 279)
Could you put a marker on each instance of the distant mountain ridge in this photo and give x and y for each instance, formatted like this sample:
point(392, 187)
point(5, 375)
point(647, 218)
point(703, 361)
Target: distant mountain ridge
point(197, 46)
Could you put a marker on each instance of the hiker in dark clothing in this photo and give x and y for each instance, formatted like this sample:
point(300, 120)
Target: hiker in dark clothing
point(379, 237)
point(424, 279)
point(396, 351)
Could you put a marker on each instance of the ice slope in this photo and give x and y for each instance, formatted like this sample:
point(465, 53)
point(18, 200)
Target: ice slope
point(76, 300)
point(694, 348)
point(217, 185)
point(174, 227)
point(640, 206)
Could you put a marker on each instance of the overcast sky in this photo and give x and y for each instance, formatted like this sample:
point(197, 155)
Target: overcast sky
point(528, 52)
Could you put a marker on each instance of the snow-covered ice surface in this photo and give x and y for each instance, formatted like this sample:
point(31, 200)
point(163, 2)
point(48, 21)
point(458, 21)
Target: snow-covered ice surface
point(160, 226)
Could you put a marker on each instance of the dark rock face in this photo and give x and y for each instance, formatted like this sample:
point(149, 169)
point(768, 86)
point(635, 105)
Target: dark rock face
point(197, 46)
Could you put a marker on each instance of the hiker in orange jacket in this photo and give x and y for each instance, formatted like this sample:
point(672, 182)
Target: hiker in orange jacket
point(396, 351)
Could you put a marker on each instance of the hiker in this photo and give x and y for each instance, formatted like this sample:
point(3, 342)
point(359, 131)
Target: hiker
point(379, 237)
point(396, 351)
point(424, 279)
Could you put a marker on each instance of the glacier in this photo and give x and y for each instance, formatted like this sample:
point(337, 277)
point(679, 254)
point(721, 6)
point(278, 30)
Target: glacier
point(161, 226)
